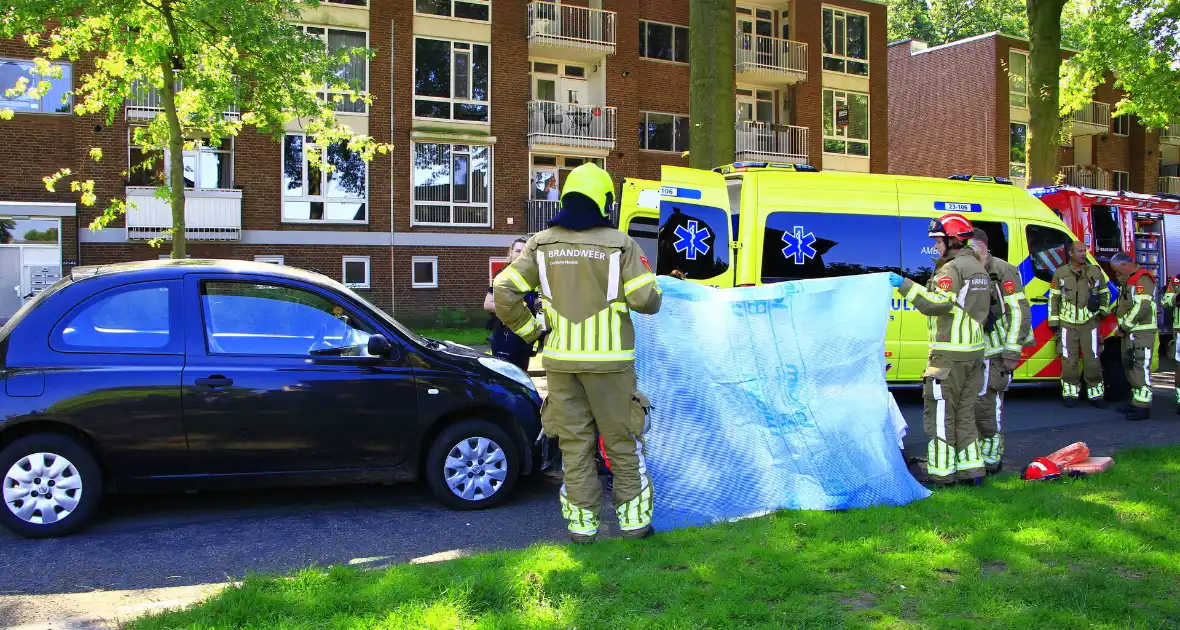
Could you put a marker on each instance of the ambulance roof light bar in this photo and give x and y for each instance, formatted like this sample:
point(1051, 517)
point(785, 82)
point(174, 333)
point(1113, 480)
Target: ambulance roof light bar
point(741, 167)
point(981, 178)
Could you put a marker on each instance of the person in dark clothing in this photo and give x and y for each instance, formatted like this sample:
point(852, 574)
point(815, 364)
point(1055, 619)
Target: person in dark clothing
point(506, 344)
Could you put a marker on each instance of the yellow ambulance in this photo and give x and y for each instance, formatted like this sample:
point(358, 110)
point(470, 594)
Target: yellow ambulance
point(753, 223)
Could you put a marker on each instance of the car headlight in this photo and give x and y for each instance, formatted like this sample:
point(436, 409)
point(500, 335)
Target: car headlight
point(507, 369)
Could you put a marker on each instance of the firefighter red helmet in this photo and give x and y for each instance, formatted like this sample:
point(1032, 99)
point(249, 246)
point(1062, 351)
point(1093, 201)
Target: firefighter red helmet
point(1041, 469)
point(953, 225)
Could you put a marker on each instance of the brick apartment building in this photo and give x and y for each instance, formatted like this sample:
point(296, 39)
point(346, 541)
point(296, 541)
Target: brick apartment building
point(963, 108)
point(484, 127)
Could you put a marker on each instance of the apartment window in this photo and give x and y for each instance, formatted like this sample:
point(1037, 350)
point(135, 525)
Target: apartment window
point(663, 41)
point(206, 166)
point(354, 73)
point(424, 272)
point(274, 260)
point(663, 132)
point(550, 171)
point(479, 10)
point(846, 123)
point(349, 3)
point(1017, 150)
point(1122, 125)
point(451, 80)
point(355, 272)
point(452, 184)
point(1121, 180)
point(846, 41)
point(55, 100)
point(1018, 78)
point(312, 193)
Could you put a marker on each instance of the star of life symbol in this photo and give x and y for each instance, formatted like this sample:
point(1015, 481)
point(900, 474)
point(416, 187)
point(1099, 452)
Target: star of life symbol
point(799, 245)
point(691, 240)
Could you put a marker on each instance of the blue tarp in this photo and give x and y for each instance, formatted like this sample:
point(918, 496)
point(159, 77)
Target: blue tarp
point(770, 397)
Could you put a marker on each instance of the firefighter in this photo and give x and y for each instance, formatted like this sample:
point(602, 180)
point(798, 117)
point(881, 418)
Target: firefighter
point(1078, 300)
point(1171, 302)
point(957, 298)
point(1012, 331)
point(591, 276)
point(1136, 316)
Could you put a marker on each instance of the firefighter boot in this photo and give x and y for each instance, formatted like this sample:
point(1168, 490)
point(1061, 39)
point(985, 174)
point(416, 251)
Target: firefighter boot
point(1139, 413)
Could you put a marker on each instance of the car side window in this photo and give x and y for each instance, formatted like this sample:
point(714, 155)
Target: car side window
point(279, 320)
point(803, 245)
point(132, 319)
point(1048, 248)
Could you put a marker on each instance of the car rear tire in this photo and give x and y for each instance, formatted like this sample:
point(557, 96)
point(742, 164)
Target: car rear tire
point(50, 486)
point(472, 465)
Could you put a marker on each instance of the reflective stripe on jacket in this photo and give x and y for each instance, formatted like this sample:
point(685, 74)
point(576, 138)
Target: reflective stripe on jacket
point(956, 301)
point(1012, 311)
point(1136, 306)
point(1069, 295)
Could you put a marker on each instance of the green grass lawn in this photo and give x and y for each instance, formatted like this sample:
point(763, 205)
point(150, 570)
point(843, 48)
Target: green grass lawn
point(1102, 552)
point(465, 336)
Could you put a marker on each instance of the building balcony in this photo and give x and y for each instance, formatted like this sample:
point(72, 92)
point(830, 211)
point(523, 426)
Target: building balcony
point(571, 125)
point(571, 33)
point(539, 212)
point(769, 61)
point(147, 103)
point(771, 143)
point(1170, 135)
point(1169, 185)
point(1086, 177)
point(1092, 119)
point(209, 215)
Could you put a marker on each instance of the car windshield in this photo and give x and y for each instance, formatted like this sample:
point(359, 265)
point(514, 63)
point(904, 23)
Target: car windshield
point(32, 304)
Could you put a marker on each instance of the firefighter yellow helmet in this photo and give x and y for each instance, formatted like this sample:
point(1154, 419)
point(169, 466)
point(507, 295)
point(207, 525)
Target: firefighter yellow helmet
point(593, 182)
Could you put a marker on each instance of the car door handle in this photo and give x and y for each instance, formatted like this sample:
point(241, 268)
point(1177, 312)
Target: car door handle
point(215, 382)
point(1039, 300)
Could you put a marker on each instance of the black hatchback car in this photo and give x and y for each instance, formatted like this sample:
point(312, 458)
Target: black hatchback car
point(195, 374)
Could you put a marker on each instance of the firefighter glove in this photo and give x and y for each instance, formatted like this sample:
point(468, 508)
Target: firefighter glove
point(1094, 303)
point(895, 280)
point(989, 324)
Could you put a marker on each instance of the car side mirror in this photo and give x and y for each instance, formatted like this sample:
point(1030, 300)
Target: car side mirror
point(379, 346)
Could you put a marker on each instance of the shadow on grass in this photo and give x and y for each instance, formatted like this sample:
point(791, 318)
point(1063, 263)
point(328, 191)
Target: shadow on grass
point(1094, 553)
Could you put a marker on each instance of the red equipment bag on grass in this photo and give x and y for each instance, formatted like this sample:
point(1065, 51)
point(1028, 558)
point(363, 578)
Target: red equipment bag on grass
point(1072, 454)
point(1090, 465)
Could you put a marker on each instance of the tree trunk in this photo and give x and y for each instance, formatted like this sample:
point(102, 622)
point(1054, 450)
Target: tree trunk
point(1044, 98)
point(711, 28)
point(175, 143)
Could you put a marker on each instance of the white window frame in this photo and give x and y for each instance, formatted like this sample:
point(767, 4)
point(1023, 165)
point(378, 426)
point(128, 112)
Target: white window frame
point(1012, 94)
point(836, 98)
point(31, 69)
point(643, 118)
point(433, 284)
point(1114, 180)
point(451, 203)
point(452, 101)
point(194, 153)
point(643, 55)
point(348, 5)
point(368, 66)
point(1114, 125)
point(486, 3)
point(323, 198)
point(271, 259)
point(344, 271)
point(844, 12)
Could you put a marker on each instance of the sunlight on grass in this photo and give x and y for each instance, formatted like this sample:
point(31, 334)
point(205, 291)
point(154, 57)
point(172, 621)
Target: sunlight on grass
point(1102, 552)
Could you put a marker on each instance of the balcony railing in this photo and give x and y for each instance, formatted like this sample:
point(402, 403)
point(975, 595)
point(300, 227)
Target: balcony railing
point(1092, 119)
point(571, 27)
point(146, 103)
point(777, 143)
point(571, 125)
point(1169, 185)
point(776, 60)
point(209, 215)
point(1170, 135)
point(539, 212)
point(1086, 177)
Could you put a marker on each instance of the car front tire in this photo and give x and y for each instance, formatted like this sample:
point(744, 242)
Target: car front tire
point(50, 485)
point(472, 465)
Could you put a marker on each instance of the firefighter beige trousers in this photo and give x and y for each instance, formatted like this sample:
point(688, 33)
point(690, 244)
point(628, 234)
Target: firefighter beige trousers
point(989, 412)
point(577, 405)
point(1080, 345)
point(1137, 349)
point(951, 391)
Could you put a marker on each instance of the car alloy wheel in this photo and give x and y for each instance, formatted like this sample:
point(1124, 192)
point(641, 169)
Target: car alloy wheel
point(475, 468)
point(42, 488)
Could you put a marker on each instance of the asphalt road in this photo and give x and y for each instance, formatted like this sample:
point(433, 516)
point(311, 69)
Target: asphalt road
point(177, 541)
